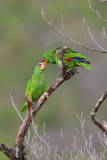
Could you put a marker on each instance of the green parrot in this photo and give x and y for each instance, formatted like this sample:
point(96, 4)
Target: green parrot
point(71, 58)
point(36, 84)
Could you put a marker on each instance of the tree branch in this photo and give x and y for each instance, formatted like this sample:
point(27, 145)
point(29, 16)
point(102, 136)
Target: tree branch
point(9, 152)
point(65, 35)
point(63, 76)
point(101, 125)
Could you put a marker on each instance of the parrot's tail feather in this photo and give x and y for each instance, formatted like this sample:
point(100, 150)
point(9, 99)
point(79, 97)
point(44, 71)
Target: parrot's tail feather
point(24, 107)
point(86, 66)
point(88, 62)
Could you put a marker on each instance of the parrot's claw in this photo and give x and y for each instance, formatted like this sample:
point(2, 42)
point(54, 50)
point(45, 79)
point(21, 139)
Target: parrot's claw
point(29, 102)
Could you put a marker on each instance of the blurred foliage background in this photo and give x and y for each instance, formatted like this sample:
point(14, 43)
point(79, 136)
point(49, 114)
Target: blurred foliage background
point(24, 37)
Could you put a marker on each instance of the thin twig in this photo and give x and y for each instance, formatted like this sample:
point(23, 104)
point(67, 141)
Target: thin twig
point(103, 33)
point(95, 11)
point(103, 0)
point(83, 29)
point(97, 44)
point(16, 108)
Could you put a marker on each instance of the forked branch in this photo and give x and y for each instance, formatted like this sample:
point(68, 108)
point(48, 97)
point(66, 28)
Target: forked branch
point(101, 125)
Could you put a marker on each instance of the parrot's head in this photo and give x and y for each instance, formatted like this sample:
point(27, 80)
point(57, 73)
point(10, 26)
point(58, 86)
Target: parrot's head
point(40, 66)
point(49, 56)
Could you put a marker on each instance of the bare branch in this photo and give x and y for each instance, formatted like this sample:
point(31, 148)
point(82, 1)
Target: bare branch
point(103, 0)
point(83, 145)
point(9, 152)
point(95, 11)
point(65, 35)
point(88, 151)
point(97, 44)
point(103, 33)
point(103, 141)
point(103, 125)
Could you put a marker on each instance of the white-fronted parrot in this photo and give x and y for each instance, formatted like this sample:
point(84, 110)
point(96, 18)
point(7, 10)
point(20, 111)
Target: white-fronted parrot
point(36, 85)
point(71, 58)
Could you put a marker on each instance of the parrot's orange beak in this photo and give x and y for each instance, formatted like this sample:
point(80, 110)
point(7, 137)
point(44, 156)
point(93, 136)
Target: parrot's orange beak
point(43, 64)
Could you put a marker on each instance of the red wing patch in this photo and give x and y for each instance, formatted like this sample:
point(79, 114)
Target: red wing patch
point(69, 59)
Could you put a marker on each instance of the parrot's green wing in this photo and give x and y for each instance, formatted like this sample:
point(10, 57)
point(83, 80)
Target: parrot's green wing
point(69, 53)
point(74, 59)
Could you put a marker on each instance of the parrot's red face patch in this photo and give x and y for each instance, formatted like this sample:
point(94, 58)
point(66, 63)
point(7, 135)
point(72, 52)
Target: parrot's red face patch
point(43, 59)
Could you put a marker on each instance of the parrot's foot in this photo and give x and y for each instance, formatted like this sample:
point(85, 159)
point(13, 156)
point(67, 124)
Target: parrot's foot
point(46, 95)
point(29, 103)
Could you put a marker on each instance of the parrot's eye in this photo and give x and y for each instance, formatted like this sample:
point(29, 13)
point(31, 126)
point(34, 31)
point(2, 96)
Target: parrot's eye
point(43, 59)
